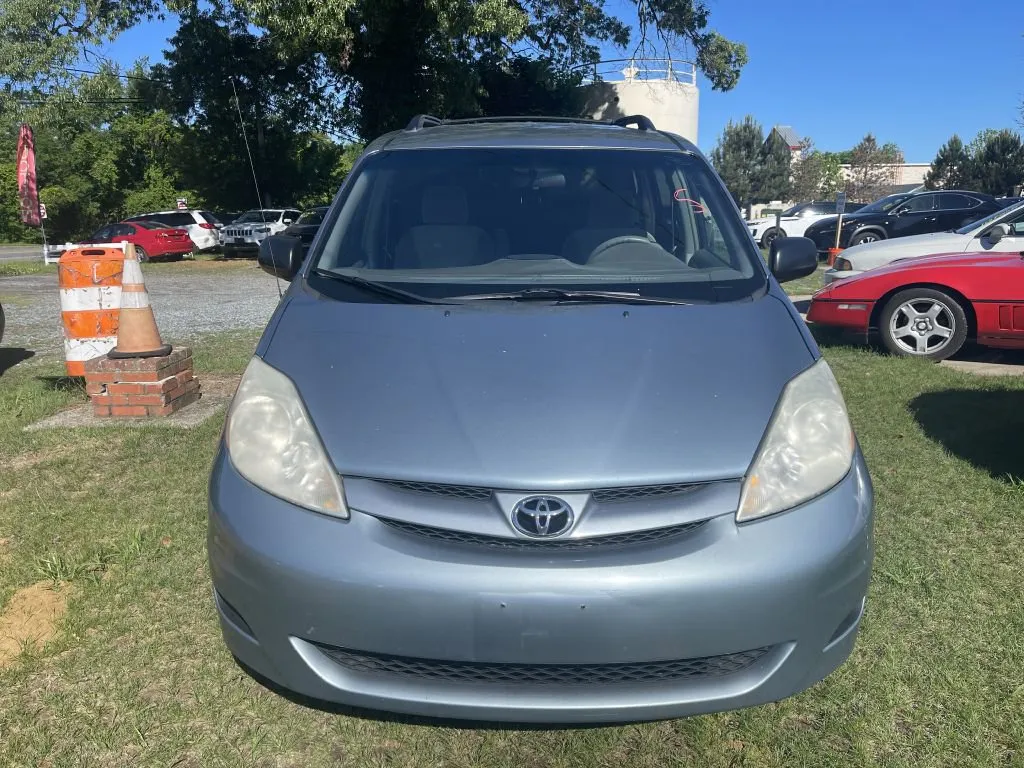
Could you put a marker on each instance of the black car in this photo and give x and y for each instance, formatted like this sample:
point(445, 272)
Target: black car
point(307, 225)
point(913, 213)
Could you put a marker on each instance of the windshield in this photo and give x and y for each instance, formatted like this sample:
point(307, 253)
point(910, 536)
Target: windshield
point(250, 217)
point(884, 204)
point(445, 221)
point(795, 210)
point(990, 219)
point(150, 224)
point(312, 217)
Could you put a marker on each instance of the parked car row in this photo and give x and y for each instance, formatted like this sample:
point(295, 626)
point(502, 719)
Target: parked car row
point(244, 234)
point(794, 221)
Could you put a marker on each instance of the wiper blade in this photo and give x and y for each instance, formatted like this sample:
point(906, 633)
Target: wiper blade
point(381, 289)
point(560, 295)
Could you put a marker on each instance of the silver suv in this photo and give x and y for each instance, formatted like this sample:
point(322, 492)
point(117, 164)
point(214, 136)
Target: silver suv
point(535, 435)
point(244, 234)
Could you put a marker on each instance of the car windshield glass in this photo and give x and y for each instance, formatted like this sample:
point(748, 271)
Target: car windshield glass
point(980, 224)
point(311, 217)
point(884, 204)
point(250, 217)
point(444, 222)
point(794, 210)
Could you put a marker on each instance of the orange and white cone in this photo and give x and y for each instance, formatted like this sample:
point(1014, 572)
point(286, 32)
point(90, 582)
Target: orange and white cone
point(137, 334)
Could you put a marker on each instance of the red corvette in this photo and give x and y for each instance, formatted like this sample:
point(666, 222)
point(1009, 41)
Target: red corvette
point(929, 307)
point(152, 240)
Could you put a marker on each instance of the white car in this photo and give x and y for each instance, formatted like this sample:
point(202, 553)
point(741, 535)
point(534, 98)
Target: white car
point(245, 233)
point(794, 222)
point(202, 226)
point(976, 236)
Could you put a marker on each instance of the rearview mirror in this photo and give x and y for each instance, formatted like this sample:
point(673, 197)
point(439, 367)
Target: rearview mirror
point(997, 233)
point(281, 255)
point(791, 258)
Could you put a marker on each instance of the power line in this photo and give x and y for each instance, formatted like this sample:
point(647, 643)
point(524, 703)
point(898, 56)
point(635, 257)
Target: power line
point(115, 74)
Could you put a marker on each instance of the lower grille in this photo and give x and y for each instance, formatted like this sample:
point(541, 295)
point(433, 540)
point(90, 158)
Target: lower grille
point(559, 545)
point(544, 674)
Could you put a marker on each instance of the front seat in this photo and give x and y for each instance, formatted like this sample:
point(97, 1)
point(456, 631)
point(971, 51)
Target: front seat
point(445, 238)
point(610, 215)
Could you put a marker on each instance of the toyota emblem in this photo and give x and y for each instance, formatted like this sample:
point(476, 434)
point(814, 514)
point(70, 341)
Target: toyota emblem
point(542, 516)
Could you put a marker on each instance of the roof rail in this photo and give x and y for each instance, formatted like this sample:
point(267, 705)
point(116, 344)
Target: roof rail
point(423, 121)
point(642, 122)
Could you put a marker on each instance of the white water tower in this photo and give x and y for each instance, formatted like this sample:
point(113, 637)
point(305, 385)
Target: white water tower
point(663, 89)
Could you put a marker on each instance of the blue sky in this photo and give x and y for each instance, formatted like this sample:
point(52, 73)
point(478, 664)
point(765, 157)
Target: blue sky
point(910, 71)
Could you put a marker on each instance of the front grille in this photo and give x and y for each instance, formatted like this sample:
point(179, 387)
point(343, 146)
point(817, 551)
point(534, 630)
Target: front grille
point(560, 545)
point(544, 674)
point(436, 489)
point(601, 495)
point(237, 232)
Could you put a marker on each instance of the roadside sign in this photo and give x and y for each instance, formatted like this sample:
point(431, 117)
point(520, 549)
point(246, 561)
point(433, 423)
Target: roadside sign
point(841, 203)
point(42, 210)
point(182, 203)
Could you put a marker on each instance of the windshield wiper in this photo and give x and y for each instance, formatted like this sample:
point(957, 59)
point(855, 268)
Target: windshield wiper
point(560, 295)
point(380, 289)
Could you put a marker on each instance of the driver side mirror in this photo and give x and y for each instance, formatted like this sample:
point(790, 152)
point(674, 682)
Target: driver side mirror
point(791, 258)
point(281, 255)
point(997, 233)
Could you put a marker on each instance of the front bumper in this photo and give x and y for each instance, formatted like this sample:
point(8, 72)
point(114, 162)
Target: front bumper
point(359, 613)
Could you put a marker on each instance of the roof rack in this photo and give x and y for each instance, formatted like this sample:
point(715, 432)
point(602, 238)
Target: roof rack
point(643, 122)
point(423, 121)
point(420, 122)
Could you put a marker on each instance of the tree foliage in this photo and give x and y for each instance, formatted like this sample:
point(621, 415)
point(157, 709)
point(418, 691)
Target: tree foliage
point(992, 163)
point(817, 175)
point(755, 170)
point(872, 169)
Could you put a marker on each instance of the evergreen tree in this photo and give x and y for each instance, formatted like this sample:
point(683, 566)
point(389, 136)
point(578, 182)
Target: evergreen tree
point(999, 164)
point(952, 167)
point(773, 171)
point(737, 158)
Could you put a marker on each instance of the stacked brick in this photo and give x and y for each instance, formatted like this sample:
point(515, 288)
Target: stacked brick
point(141, 386)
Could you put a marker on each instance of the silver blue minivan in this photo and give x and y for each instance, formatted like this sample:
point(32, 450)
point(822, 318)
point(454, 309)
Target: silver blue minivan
point(535, 436)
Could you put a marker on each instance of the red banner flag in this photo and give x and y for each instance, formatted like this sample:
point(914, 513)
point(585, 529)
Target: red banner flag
point(28, 193)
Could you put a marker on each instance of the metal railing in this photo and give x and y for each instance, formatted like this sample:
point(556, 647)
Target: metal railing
point(640, 70)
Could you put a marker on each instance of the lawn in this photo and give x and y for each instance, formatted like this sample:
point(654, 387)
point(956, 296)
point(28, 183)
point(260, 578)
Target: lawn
point(202, 262)
point(136, 673)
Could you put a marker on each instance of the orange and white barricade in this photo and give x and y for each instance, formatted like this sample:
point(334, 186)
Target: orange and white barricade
point(90, 302)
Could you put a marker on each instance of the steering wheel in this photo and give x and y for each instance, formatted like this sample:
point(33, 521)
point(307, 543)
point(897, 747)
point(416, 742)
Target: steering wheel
point(616, 242)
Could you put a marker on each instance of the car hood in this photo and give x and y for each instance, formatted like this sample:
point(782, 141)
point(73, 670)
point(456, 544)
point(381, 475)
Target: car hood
point(539, 396)
point(871, 255)
point(949, 261)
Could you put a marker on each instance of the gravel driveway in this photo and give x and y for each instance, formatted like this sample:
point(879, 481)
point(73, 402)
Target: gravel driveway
point(187, 305)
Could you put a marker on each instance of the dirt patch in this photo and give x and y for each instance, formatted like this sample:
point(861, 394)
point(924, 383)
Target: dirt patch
point(30, 616)
point(218, 385)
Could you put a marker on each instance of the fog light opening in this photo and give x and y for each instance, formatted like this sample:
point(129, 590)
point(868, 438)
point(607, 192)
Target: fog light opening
point(229, 612)
point(848, 623)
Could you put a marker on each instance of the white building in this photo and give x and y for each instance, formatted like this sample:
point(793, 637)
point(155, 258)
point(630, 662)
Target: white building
point(665, 90)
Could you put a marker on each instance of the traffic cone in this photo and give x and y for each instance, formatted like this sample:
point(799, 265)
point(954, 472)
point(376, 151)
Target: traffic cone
point(833, 253)
point(137, 334)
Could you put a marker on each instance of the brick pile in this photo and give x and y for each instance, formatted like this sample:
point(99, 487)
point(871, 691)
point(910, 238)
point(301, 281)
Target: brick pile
point(141, 386)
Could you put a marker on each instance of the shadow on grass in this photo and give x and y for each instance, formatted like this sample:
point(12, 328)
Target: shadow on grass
point(11, 356)
point(828, 337)
point(983, 427)
point(394, 717)
point(64, 383)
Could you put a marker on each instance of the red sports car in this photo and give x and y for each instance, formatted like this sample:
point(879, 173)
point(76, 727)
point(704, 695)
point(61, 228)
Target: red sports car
point(929, 307)
point(152, 239)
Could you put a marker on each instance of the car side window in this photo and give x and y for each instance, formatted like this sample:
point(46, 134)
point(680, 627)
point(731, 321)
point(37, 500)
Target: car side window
point(919, 204)
point(102, 235)
point(952, 201)
point(122, 230)
point(1017, 224)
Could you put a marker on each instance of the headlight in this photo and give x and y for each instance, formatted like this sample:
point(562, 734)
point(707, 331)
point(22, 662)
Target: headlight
point(842, 265)
point(807, 449)
point(272, 443)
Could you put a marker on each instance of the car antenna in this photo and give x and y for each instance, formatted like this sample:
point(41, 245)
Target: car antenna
point(252, 166)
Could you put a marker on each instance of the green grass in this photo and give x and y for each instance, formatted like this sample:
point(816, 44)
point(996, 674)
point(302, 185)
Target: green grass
point(137, 674)
point(805, 286)
point(201, 263)
point(19, 267)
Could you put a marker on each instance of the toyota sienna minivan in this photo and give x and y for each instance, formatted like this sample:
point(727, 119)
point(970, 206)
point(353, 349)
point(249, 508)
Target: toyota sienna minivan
point(535, 436)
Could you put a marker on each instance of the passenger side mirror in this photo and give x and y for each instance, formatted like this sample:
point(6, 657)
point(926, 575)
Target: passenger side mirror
point(791, 258)
point(997, 233)
point(281, 255)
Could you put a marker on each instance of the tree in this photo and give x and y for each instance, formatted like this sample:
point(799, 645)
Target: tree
point(872, 169)
point(737, 157)
point(817, 175)
point(773, 171)
point(952, 167)
point(999, 165)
